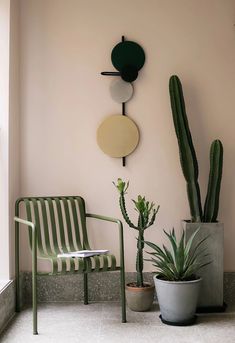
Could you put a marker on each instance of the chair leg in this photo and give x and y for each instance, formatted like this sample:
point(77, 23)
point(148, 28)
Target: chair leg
point(85, 279)
point(34, 296)
point(17, 292)
point(17, 268)
point(123, 295)
point(34, 282)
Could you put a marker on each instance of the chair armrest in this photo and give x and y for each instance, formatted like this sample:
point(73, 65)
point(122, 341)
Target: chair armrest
point(108, 219)
point(120, 227)
point(34, 235)
point(34, 242)
point(25, 222)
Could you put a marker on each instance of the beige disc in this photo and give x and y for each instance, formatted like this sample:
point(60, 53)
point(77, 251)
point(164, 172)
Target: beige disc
point(118, 136)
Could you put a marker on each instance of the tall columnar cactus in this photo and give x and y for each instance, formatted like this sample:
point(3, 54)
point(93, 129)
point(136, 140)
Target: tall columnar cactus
point(188, 157)
point(146, 217)
point(216, 166)
point(189, 161)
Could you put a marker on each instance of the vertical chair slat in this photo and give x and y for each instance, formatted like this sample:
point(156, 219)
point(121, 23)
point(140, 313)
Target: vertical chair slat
point(55, 262)
point(45, 226)
point(63, 265)
point(113, 262)
point(53, 225)
point(80, 264)
point(72, 266)
point(61, 224)
point(68, 223)
point(76, 224)
point(37, 222)
point(105, 263)
point(88, 264)
point(55, 268)
point(97, 263)
point(63, 247)
point(81, 205)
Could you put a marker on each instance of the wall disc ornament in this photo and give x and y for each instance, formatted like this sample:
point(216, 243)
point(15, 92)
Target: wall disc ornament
point(118, 136)
point(121, 91)
point(128, 53)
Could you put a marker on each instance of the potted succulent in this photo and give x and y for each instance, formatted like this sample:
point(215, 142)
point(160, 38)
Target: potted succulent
point(139, 294)
point(177, 282)
point(211, 298)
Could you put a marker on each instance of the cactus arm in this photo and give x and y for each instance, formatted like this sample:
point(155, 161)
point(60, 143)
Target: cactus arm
point(193, 193)
point(124, 211)
point(152, 220)
point(186, 149)
point(213, 191)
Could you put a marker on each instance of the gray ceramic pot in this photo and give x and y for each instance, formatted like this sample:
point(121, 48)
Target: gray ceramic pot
point(177, 299)
point(212, 289)
point(139, 299)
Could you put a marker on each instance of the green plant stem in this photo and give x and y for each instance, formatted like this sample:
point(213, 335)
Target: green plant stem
point(139, 259)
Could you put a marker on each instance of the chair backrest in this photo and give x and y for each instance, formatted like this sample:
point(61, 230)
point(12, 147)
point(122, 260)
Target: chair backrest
point(60, 221)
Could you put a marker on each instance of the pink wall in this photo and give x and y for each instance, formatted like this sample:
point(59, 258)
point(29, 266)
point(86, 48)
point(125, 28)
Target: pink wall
point(65, 44)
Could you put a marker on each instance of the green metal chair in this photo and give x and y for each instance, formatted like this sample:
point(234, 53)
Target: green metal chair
point(56, 225)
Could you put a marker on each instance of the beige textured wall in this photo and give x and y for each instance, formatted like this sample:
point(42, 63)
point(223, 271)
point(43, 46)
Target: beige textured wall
point(4, 137)
point(65, 44)
point(14, 124)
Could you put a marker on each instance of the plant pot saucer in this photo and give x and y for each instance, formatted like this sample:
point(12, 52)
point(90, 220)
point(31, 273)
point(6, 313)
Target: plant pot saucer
point(188, 322)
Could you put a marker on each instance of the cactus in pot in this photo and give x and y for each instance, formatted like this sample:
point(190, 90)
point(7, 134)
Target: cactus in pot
point(189, 163)
point(211, 298)
point(146, 217)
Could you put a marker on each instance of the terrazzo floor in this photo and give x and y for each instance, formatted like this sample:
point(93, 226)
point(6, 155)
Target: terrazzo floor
point(100, 322)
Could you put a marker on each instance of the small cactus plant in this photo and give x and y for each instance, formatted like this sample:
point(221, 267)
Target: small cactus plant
point(146, 217)
point(189, 163)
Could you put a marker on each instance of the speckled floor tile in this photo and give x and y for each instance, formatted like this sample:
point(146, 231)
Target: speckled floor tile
point(101, 323)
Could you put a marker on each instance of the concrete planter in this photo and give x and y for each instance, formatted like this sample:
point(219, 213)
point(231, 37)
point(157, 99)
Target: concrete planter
point(139, 299)
point(211, 294)
point(177, 300)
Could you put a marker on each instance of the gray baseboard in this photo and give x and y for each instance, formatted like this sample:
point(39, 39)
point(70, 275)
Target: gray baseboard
point(7, 304)
point(102, 287)
point(229, 288)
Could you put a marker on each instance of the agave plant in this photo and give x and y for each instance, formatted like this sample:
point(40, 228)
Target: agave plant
point(182, 261)
point(146, 217)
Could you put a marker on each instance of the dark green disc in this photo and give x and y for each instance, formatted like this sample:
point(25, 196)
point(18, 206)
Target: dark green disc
point(128, 53)
point(129, 73)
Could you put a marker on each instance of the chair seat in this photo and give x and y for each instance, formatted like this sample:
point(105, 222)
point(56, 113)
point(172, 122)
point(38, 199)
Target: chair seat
point(70, 265)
